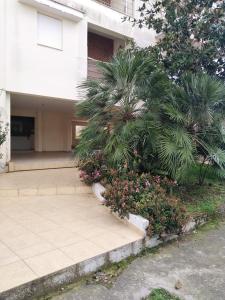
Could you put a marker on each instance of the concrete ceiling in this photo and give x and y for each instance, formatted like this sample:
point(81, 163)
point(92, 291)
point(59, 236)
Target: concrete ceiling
point(35, 102)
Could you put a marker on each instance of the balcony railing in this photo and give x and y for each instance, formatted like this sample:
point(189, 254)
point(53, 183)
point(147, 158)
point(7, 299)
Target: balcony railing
point(123, 6)
point(93, 71)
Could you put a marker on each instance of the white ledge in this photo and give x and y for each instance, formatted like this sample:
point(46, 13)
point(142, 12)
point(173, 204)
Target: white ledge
point(98, 190)
point(56, 8)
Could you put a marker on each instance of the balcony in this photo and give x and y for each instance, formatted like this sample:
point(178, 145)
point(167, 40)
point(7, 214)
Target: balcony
point(100, 48)
point(93, 71)
point(123, 6)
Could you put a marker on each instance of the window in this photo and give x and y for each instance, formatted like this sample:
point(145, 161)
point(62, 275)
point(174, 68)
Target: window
point(78, 130)
point(22, 126)
point(49, 31)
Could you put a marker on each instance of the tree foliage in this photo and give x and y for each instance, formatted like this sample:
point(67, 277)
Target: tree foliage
point(191, 34)
point(116, 101)
point(141, 119)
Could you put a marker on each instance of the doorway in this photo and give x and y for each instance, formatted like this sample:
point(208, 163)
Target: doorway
point(77, 127)
point(22, 133)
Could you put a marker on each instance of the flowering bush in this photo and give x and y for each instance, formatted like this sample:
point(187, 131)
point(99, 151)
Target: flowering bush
point(92, 169)
point(166, 214)
point(145, 196)
point(123, 193)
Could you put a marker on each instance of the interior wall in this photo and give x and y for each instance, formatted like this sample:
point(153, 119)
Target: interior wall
point(55, 131)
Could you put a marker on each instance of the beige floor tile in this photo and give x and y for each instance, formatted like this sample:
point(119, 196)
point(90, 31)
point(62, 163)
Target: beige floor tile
point(109, 240)
point(28, 216)
point(84, 203)
point(28, 192)
point(34, 250)
point(8, 192)
point(20, 214)
point(61, 237)
point(6, 222)
point(22, 241)
point(39, 226)
point(61, 217)
point(76, 225)
point(127, 232)
point(51, 231)
point(83, 250)
point(3, 217)
point(44, 211)
point(15, 274)
point(6, 255)
point(83, 190)
point(88, 231)
point(10, 230)
point(66, 190)
point(89, 215)
point(106, 220)
point(47, 191)
point(102, 210)
point(48, 262)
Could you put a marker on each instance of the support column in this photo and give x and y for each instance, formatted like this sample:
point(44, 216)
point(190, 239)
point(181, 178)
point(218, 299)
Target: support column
point(38, 131)
point(5, 119)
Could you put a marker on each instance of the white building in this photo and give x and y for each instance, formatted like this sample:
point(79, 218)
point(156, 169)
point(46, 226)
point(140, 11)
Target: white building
point(47, 48)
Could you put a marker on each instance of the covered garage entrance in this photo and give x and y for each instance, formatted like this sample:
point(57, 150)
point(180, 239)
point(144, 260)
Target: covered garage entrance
point(41, 133)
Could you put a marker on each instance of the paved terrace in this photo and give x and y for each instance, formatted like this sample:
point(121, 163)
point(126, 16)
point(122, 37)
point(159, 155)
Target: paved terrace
point(49, 220)
point(198, 262)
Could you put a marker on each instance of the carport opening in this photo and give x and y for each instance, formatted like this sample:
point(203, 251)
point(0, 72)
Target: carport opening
point(22, 133)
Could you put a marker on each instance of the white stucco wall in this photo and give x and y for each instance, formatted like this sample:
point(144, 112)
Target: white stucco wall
point(36, 69)
point(29, 68)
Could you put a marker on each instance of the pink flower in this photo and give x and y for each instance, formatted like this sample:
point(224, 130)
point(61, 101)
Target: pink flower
point(157, 179)
point(147, 183)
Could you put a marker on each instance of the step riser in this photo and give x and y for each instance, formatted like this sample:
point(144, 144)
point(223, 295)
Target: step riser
point(43, 191)
point(16, 167)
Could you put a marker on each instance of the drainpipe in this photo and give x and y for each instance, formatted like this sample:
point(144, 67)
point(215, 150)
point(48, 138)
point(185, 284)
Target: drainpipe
point(133, 8)
point(126, 7)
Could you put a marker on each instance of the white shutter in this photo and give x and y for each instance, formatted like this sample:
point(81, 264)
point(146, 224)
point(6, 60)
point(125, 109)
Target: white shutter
point(49, 31)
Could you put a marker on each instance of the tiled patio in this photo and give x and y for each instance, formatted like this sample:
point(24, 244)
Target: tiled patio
point(43, 233)
point(31, 160)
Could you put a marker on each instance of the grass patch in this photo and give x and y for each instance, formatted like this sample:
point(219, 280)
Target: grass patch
point(203, 200)
point(161, 294)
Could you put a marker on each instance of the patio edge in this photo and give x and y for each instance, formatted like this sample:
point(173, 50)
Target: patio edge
point(49, 283)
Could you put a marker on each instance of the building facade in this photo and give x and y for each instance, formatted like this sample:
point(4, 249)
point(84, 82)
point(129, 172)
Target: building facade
point(47, 48)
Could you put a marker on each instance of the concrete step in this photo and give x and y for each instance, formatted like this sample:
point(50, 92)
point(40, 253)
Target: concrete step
point(40, 165)
point(44, 191)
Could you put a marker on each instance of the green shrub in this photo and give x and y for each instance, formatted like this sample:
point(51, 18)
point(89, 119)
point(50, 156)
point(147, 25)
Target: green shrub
point(123, 192)
point(145, 196)
point(166, 214)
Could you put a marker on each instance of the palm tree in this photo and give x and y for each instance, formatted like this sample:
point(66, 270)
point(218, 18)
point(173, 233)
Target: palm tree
point(194, 120)
point(115, 102)
point(138, 117)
